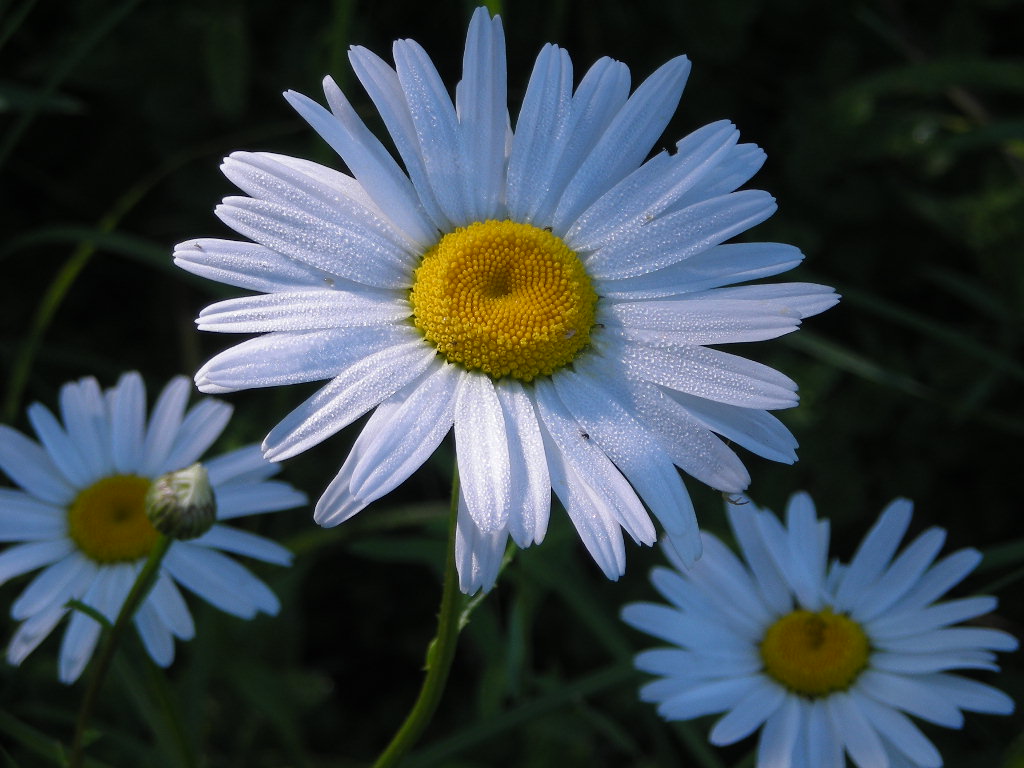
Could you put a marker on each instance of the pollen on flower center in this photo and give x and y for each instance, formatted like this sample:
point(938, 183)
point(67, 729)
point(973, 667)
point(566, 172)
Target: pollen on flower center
point(505, 298)
point(108, 520)
point(815, 654)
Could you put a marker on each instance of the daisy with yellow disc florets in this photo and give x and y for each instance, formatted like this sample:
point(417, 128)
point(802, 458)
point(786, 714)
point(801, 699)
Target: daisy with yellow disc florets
point(547, 291)
point(825, 659)
point(81, 515)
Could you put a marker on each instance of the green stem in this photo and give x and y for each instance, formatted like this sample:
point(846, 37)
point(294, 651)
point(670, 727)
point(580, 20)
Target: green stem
point(138, 593)
point(440, 652)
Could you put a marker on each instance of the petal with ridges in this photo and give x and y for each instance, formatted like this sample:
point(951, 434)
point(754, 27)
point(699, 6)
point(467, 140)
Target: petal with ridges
point(527, 463)
point(482, 453)
point(626, 141)
point(26, 463)
point(24, 518)
point(352, 393)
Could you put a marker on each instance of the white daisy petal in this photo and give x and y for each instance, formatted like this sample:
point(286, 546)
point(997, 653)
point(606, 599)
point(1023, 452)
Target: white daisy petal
point(707, 698)
point(398, 437)
point(757, 431)
point(542, 119)
point(330, 195)
point(599, 531)
point(84, 411)
point(925, 619)
point(239, 542)
point(26, 463)
point(901, 732)
point(970, 694)
point(946, 573)
point(301, 311)
point(292, 358)
point(437, 129)
point(127, 404)
point(164, 423)
point(481, 103)
point(250, 266)
point(482, 452)
point(912, 694)
point(599, 97)
point(61, 449)
point(770, 580)
point(859, 738)
point(528, 465)
point(900, 576)
point(256, 498)
point(170, 606)
point(23, 518)
point(604, 482)
point(201, 426)
point(347, 249)
point(874, 552)
point(77, 646)
point(23, 558)
point(478, 553)
point(713, 268)
point(697, 322)
point(626, 141)
point(382, 85)
point(219, 580)
point(155, 636)
point(748, 714)
point(680, 235)
point(351, 394)
point(32, 632)
point(370, 162)
point(242, 465)
point(775, 747)
point(738, 167)
point(710, 374)
point(652, 188)
point(54, 586)
point(824, 746)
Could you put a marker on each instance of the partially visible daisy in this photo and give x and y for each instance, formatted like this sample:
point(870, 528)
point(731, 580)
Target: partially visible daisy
point(825, 658)
point(544, 291)
point(80, 516)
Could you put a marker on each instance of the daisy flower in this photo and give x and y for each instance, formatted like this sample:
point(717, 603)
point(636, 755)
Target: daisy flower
point(80, 516)
point(827, 658)
point(543, 292)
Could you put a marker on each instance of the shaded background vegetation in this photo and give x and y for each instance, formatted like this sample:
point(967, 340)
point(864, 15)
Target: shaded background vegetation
point(895, 140)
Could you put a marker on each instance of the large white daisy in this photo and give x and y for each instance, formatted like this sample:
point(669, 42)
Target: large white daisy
point(80, 516)
point(545, 291)
point(827, 658)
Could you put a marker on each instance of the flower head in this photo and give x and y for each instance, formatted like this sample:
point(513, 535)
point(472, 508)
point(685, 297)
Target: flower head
point(81, 516)
point(827, 658)
point(546, 292)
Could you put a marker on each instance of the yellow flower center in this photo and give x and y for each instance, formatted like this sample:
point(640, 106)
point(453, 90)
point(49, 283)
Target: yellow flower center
point(108, 520)
point(815, 654)
point(504, 298)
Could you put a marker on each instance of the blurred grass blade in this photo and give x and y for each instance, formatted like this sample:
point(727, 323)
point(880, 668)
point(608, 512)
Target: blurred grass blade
point(37, 742)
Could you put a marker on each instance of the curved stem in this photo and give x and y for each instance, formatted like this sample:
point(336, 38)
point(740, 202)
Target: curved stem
point(101, 665)
point(440, 652)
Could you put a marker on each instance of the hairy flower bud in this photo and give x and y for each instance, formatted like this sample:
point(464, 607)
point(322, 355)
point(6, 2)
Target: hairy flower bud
point(181, 504)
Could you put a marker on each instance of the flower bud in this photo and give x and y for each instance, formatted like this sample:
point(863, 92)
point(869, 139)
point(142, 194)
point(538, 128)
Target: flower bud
point(181, 504)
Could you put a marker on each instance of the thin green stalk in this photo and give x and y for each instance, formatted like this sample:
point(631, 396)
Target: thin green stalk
point(440, 652)
point(101, 665)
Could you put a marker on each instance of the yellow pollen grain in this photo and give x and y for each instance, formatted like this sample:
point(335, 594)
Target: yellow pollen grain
point(815, 653)
point(505, 298)
point(108, 522)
